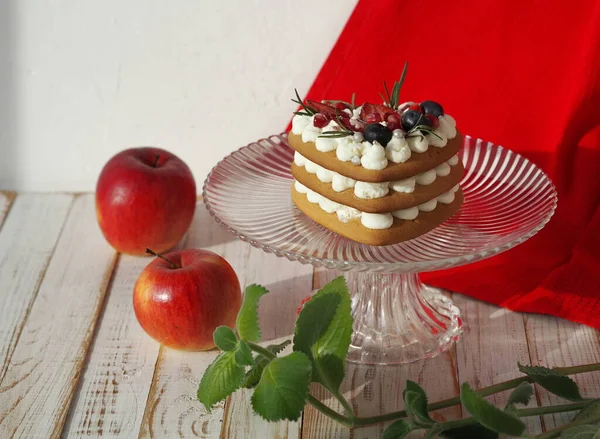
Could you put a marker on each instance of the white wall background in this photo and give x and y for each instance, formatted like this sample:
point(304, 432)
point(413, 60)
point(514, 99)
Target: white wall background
point(83, 79)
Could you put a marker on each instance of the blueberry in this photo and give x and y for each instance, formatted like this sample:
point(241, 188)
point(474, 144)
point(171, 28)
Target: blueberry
point(377, 132)
point(432, 108)
point(411, 119)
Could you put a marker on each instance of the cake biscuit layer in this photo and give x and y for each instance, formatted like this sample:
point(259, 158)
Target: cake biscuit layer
point(388, 203)
point(416, 164)
point(400, 230)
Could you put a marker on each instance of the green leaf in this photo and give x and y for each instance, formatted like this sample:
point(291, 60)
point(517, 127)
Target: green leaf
point(488, 415)
point(283, 388)
point(475, 431)
point(330, 370)
point(521, 394)
point(225, 338)
point(397, 430)
point(582, 432)
point(323, 332)
point(253, 375)
point(314, 319)
point(221, 379)
point(243, 354)
point(552, 381)
point(247, 319)
point(415, 401)
point(590, 413)
point(277, 348)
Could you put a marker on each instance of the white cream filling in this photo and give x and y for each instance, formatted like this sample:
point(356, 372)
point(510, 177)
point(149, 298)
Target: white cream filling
point(376, 221)
point(368, 191)
point(372, 156)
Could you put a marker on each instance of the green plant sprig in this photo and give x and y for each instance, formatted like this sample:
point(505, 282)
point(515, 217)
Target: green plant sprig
point(308, 110)
point(393, 99)
point(321, 340)
point(418, 131)
point(344, 131)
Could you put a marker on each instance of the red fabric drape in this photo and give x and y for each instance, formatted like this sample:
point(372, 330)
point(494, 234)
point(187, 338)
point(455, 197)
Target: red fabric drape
point(525, 76)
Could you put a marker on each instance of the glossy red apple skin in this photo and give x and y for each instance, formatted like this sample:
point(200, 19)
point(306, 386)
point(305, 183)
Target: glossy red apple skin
point(141, 202)
point(181, 307)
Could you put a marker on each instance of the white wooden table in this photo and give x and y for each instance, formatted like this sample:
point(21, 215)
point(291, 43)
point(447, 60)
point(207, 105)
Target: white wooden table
point(75, 363)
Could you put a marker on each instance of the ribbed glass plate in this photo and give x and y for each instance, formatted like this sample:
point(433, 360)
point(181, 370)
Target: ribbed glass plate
point(507, 200)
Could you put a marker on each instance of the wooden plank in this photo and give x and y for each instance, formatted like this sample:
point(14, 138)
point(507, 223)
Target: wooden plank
point(374, 390)
point(6, 200)
point(492, 343)
point(555, 343)
point(25, 250)
point(114, 387)
point(41, 378)
point(172, 407)
point(241, 422)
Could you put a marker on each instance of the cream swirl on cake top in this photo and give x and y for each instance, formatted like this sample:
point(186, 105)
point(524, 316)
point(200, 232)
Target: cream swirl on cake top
point(373, 155)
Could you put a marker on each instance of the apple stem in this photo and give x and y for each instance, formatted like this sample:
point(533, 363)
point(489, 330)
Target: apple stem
point(156, 158)
point(158, 255)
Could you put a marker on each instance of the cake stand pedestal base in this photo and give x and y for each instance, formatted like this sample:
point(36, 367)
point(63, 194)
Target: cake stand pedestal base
point(398, 319)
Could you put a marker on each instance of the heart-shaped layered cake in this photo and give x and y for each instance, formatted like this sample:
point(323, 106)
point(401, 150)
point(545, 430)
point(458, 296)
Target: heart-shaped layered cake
point(378, 174)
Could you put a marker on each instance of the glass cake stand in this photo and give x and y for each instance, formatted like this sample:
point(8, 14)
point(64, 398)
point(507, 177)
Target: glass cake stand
point(397, 319)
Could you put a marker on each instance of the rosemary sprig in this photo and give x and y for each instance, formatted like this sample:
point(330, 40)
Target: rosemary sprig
point(418, 131)
point(393, 99)
point(343, 132)
point(352, 102)
point(308, 111)
point(335, 134)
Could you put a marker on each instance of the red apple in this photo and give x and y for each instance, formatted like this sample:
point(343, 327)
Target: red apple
point(182, 297)
point(145, 197)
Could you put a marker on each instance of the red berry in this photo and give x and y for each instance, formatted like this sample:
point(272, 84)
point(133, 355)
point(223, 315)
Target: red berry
point(344, 121)
point(435, 122)
point(324, 109)
point(382, 110)
point(392, 117)
point(320, 121)
point(340, 106)
point(393, 125)
point(393, 121)
point(373, 118)
point(415, 107)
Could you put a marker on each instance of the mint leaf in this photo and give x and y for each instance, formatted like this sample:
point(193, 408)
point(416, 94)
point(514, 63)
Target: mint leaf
point(225, 338)
point(590, 413)
point(314, 319)
point(552, 381)
point(221, 379)
point(488, 415)
point(253, 375)
point(469, 431)
point(521, 394)
point(283, 388)
point(339, 333)
point(415, 401)
point(247, 318)
point(581, 432)
point(323, 332)
point(277, 348)
point(243, 354)
point(397, 430)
